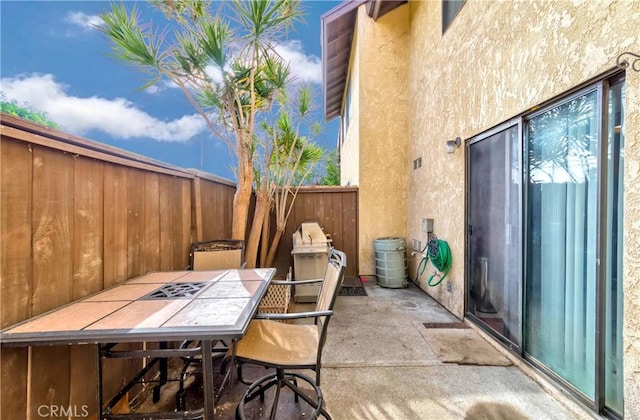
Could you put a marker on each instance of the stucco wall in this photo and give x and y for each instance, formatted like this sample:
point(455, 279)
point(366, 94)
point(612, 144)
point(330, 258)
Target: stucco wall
point(383, 101)
point(631, 327)
point(349, 152)
point(498, 60)
point(631, 330)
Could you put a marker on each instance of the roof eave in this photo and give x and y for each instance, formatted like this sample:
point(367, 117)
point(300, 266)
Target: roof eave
point(347, 8)
point(342, 36)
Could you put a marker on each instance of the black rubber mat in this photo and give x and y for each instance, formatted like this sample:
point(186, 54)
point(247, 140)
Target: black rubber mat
point(352, 291)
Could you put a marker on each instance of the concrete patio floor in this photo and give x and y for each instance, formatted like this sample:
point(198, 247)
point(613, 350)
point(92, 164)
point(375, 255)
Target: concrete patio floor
point(380, 362)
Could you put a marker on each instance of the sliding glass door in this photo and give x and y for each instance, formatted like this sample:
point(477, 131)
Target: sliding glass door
point(493, 232)
point(562, 206)
point(544, 239)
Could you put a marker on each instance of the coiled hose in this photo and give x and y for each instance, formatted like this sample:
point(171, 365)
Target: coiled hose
point(439, 253)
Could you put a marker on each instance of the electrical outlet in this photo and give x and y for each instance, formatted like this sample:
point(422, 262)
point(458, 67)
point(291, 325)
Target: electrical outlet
point(449, 287)
point(427, 225)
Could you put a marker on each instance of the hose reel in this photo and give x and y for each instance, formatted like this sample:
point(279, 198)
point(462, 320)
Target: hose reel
point(438, 252)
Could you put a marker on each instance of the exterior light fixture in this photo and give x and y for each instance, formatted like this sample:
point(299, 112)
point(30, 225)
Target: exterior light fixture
point(452, 145)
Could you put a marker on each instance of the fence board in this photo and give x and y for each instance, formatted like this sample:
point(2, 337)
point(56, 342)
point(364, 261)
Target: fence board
point(210, 227)
point(53, 198)
point(135, 222)
point(115, 225)
point(49, 384)
point(88, 273)
point(338, 225)
point(320, 211)
point(349, 241)
point(308, 209)
point(167, 227)
point(196, 212)
point(113, 374)
point(13, 371)
point(186, 231)
point(87, 227)
point(15, 235)
point(151, 223)
point(327, 218)
point(82, 386)
point(52, 229)
point(217, 213)
point(228, 196)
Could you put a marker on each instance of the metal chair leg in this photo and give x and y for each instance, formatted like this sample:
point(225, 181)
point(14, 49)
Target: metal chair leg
point(164, 369)
point(281, 379)
point(180, 395)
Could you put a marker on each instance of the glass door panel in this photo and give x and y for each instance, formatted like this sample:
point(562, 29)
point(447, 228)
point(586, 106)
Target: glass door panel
point(561, 234)
point(613, 298)
point(494, 287)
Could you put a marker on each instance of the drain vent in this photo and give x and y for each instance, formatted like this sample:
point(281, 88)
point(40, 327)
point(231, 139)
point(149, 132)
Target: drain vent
point(449, 325)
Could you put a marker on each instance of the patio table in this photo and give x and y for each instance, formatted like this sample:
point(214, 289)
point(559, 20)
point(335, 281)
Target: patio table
point(207, 306)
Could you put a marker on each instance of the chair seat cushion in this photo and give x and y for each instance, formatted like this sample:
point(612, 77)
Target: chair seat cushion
point(281, 344)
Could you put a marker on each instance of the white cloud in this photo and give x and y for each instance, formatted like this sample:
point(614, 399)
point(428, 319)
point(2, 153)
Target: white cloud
point(304, 68)
point(84, 21)
point(214, 73)
point(117, 117)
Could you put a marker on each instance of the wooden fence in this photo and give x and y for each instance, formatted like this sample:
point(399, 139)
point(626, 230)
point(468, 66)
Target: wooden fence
point(335, 209)
point(79, 216)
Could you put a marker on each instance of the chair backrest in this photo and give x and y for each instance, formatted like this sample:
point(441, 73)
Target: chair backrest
point(329, 291)
point(218, 254)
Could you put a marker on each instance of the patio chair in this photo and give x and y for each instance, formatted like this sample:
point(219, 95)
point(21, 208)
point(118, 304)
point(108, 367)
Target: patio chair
point(289, 346)
point(208, 255)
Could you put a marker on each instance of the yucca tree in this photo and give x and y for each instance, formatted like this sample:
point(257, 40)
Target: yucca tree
point(225, 64)
point(289, 157)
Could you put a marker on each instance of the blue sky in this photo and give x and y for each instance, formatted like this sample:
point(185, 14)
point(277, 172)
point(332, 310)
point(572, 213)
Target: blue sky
point(53, 59)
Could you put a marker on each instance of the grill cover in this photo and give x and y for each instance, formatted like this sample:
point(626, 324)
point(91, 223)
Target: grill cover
point(309, 237)
point(310, 255)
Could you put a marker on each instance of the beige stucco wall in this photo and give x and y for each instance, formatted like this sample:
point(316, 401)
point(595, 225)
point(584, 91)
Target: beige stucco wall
point(350, 148)
point(631, 327)
point(383, 125)
point(498, 60)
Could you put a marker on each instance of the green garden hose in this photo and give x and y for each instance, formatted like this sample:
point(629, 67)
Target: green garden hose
point(439, 253)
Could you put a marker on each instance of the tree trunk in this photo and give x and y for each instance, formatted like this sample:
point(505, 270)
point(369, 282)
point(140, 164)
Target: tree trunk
point(264, 244)
point(242, 197)
point(274, 247)
point(251, 248)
